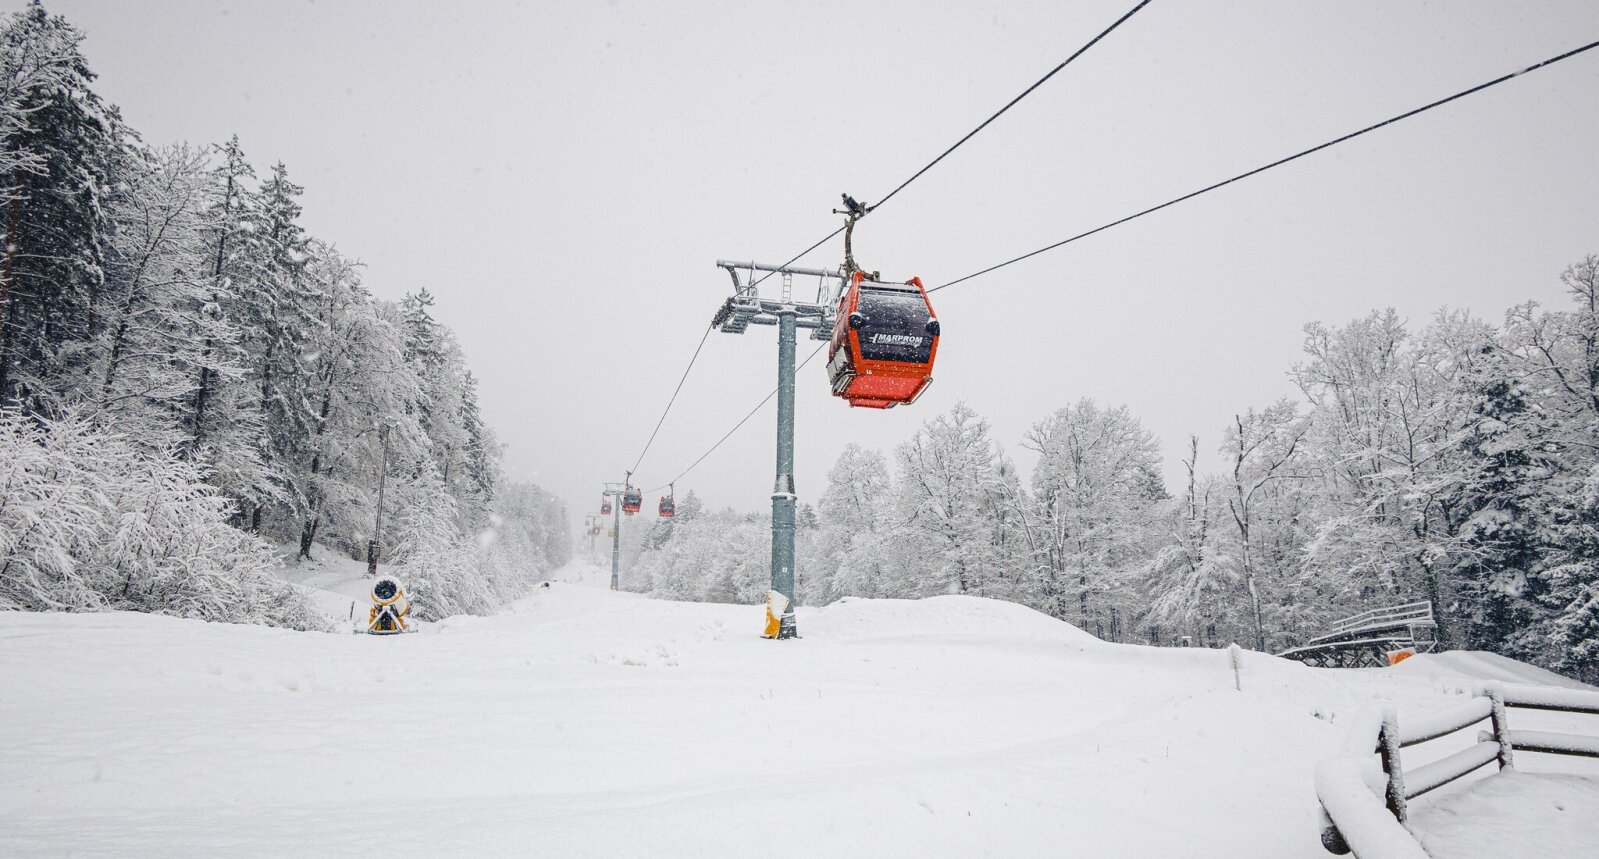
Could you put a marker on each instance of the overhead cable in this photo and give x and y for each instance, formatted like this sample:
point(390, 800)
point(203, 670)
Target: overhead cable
point(741, 422)
point(970, 134)
point(673, 400)
point(1278, 163)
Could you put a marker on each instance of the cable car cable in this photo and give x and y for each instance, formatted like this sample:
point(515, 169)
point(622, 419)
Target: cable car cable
point(917, 175)
point(970, 134)
point(673, 400)
point(1281, 161)
point(741, 422)
point(1012, 103)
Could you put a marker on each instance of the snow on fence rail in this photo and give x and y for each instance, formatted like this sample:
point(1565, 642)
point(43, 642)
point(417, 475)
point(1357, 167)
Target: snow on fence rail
point(1364, 799)
point(1383, 617)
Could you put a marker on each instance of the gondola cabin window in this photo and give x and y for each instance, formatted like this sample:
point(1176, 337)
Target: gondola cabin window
point(894, 326)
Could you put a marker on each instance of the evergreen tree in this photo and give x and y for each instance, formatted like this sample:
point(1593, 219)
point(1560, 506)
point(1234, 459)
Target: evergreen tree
point(1499, 506)
point(61, 143)
point(279, 317)
point(225, 427)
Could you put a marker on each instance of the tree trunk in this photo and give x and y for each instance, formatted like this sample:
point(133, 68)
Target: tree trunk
point(8, 301)
point(308, 536)
point(1441, 630)
point(115, 357)
point(1082, 596)
point(1254, 595)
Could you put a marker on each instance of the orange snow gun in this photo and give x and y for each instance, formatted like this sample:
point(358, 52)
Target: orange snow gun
point(389, 608)
point(1397, 656)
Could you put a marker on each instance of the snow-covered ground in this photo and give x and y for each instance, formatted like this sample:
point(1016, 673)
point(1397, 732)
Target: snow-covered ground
point(335, 583)
point(586, 722)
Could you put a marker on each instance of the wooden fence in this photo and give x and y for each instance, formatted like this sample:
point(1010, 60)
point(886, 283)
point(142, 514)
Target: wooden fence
point(1364, 798)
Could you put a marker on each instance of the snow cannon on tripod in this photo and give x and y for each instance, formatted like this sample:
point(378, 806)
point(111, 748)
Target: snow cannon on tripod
point(389, 608)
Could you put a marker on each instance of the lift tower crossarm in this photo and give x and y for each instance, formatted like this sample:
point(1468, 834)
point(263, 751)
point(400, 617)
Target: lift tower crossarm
point(747, 307)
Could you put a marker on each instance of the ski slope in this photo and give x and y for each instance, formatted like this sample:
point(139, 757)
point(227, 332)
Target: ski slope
point(590, 723)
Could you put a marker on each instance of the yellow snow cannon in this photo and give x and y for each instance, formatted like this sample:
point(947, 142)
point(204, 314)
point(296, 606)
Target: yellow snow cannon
point(389, 608)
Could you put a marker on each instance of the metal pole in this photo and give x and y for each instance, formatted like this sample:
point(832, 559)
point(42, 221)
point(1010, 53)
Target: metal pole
point(616, 541)
point(373, 545)
point(783, 495)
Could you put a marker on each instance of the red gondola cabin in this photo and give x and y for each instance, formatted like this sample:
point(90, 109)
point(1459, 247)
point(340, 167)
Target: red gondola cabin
point(884, 343)
point(632, 500)
point(668, 507)
point(605, 507)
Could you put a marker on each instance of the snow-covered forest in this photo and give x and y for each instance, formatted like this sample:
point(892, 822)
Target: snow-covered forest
point(1453, 460)
point(188, 380)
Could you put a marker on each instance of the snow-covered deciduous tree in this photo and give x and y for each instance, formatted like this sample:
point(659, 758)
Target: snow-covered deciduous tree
point(714, 557)
point(142, 365)
point(856, 529)
point(1191, 577)
point(1096, 491)
point(1262, 450)
point(950, 486)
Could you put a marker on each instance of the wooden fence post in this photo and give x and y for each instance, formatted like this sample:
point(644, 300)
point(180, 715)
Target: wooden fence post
point(1388, 750)
point(1496, 697)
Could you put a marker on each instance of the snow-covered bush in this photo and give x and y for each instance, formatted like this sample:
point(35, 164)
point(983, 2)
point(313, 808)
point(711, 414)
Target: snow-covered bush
point(448, 572)
point(435, 560)
point(92, 522)
point(717, 557)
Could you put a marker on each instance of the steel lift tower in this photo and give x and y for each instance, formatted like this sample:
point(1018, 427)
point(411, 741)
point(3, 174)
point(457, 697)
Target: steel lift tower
point(745, 308)
point(614, 491)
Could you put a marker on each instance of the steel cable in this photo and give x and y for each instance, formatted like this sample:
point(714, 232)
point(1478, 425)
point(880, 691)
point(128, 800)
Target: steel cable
point(970, 134)
point(1279, 162)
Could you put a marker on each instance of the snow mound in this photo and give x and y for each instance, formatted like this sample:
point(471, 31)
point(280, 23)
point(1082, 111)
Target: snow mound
point(853, 618)
point(1481, 665)
point(333, 582)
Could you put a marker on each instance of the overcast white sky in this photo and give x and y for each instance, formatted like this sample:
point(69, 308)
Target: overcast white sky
point(563, 177)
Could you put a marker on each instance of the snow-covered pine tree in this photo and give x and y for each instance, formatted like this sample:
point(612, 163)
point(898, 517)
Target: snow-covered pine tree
point(1500, 505)
point(225, 427)
point(61, 143)
point(1532, 563)
point(279, 315)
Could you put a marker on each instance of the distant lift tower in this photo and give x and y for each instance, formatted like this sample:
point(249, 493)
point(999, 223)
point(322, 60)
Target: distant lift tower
point(614, 492)
point(736, 315)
